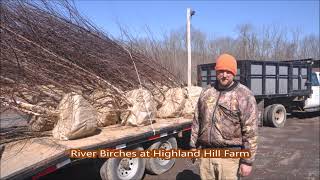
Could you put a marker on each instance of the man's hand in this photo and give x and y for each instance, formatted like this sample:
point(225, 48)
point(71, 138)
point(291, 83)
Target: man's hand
point(245, 170)
point(193, 160)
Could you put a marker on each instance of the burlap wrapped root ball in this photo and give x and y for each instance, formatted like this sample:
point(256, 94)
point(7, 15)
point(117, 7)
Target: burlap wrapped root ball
point(159, 95)
point(77, 118)
point(173, 104)
point(142, 110)
point(105, 105)
point(193, 94)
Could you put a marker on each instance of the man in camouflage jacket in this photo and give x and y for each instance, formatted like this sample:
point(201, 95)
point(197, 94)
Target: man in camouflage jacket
point(226, 117)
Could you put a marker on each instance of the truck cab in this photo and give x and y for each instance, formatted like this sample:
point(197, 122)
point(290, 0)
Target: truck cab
point(313, 102)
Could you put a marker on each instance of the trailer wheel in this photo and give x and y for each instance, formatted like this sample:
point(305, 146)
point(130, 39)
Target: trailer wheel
point(158, 165)
point(123, 168)
point(277, 115)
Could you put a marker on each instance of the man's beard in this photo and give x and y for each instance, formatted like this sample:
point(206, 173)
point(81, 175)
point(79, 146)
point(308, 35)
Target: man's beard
point(225, 86)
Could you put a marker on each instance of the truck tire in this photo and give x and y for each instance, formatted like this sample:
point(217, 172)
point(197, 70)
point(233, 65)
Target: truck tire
point(123, 168)
point(265, 115)
point(277, 115)
point(157, 165)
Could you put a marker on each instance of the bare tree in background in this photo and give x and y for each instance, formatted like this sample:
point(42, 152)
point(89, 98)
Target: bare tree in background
point(310, 47)
point(244, 31)
point(272, 42)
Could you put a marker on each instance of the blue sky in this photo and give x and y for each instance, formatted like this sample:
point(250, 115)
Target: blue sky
point(215, 18)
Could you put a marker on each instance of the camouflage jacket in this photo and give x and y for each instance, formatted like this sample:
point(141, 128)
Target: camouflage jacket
point(226, 118)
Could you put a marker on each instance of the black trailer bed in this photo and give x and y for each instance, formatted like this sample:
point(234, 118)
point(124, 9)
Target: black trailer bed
point(36, 156)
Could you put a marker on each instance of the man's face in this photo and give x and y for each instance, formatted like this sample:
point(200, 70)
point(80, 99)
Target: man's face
point(225, 78)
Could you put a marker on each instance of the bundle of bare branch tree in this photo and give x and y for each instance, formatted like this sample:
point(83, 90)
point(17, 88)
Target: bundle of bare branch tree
point(48, 49)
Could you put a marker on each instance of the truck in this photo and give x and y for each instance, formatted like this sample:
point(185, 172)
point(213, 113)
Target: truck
point(37, 157)
point(279, 87)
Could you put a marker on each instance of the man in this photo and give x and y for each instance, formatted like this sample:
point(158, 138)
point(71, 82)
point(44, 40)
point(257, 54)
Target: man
point(226, 117)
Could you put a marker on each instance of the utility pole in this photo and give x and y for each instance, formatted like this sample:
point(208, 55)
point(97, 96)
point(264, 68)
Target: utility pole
point(189, 14)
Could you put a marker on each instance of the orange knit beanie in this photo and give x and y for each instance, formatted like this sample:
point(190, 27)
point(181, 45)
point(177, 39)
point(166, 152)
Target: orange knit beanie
point(226, 62)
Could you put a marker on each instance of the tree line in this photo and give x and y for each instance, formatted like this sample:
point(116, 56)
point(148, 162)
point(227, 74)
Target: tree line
point(250, 43)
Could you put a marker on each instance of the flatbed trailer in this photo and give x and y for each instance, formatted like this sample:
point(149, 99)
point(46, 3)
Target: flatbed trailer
point(37, 157)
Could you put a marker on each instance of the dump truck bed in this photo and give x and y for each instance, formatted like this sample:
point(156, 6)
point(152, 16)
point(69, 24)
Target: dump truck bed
point(27, 158)
point(266, 79)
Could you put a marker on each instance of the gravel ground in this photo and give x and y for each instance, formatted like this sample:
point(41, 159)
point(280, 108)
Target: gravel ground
point(291, 152)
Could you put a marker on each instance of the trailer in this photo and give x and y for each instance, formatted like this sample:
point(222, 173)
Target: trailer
point(37, 157)
point(280, 87)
